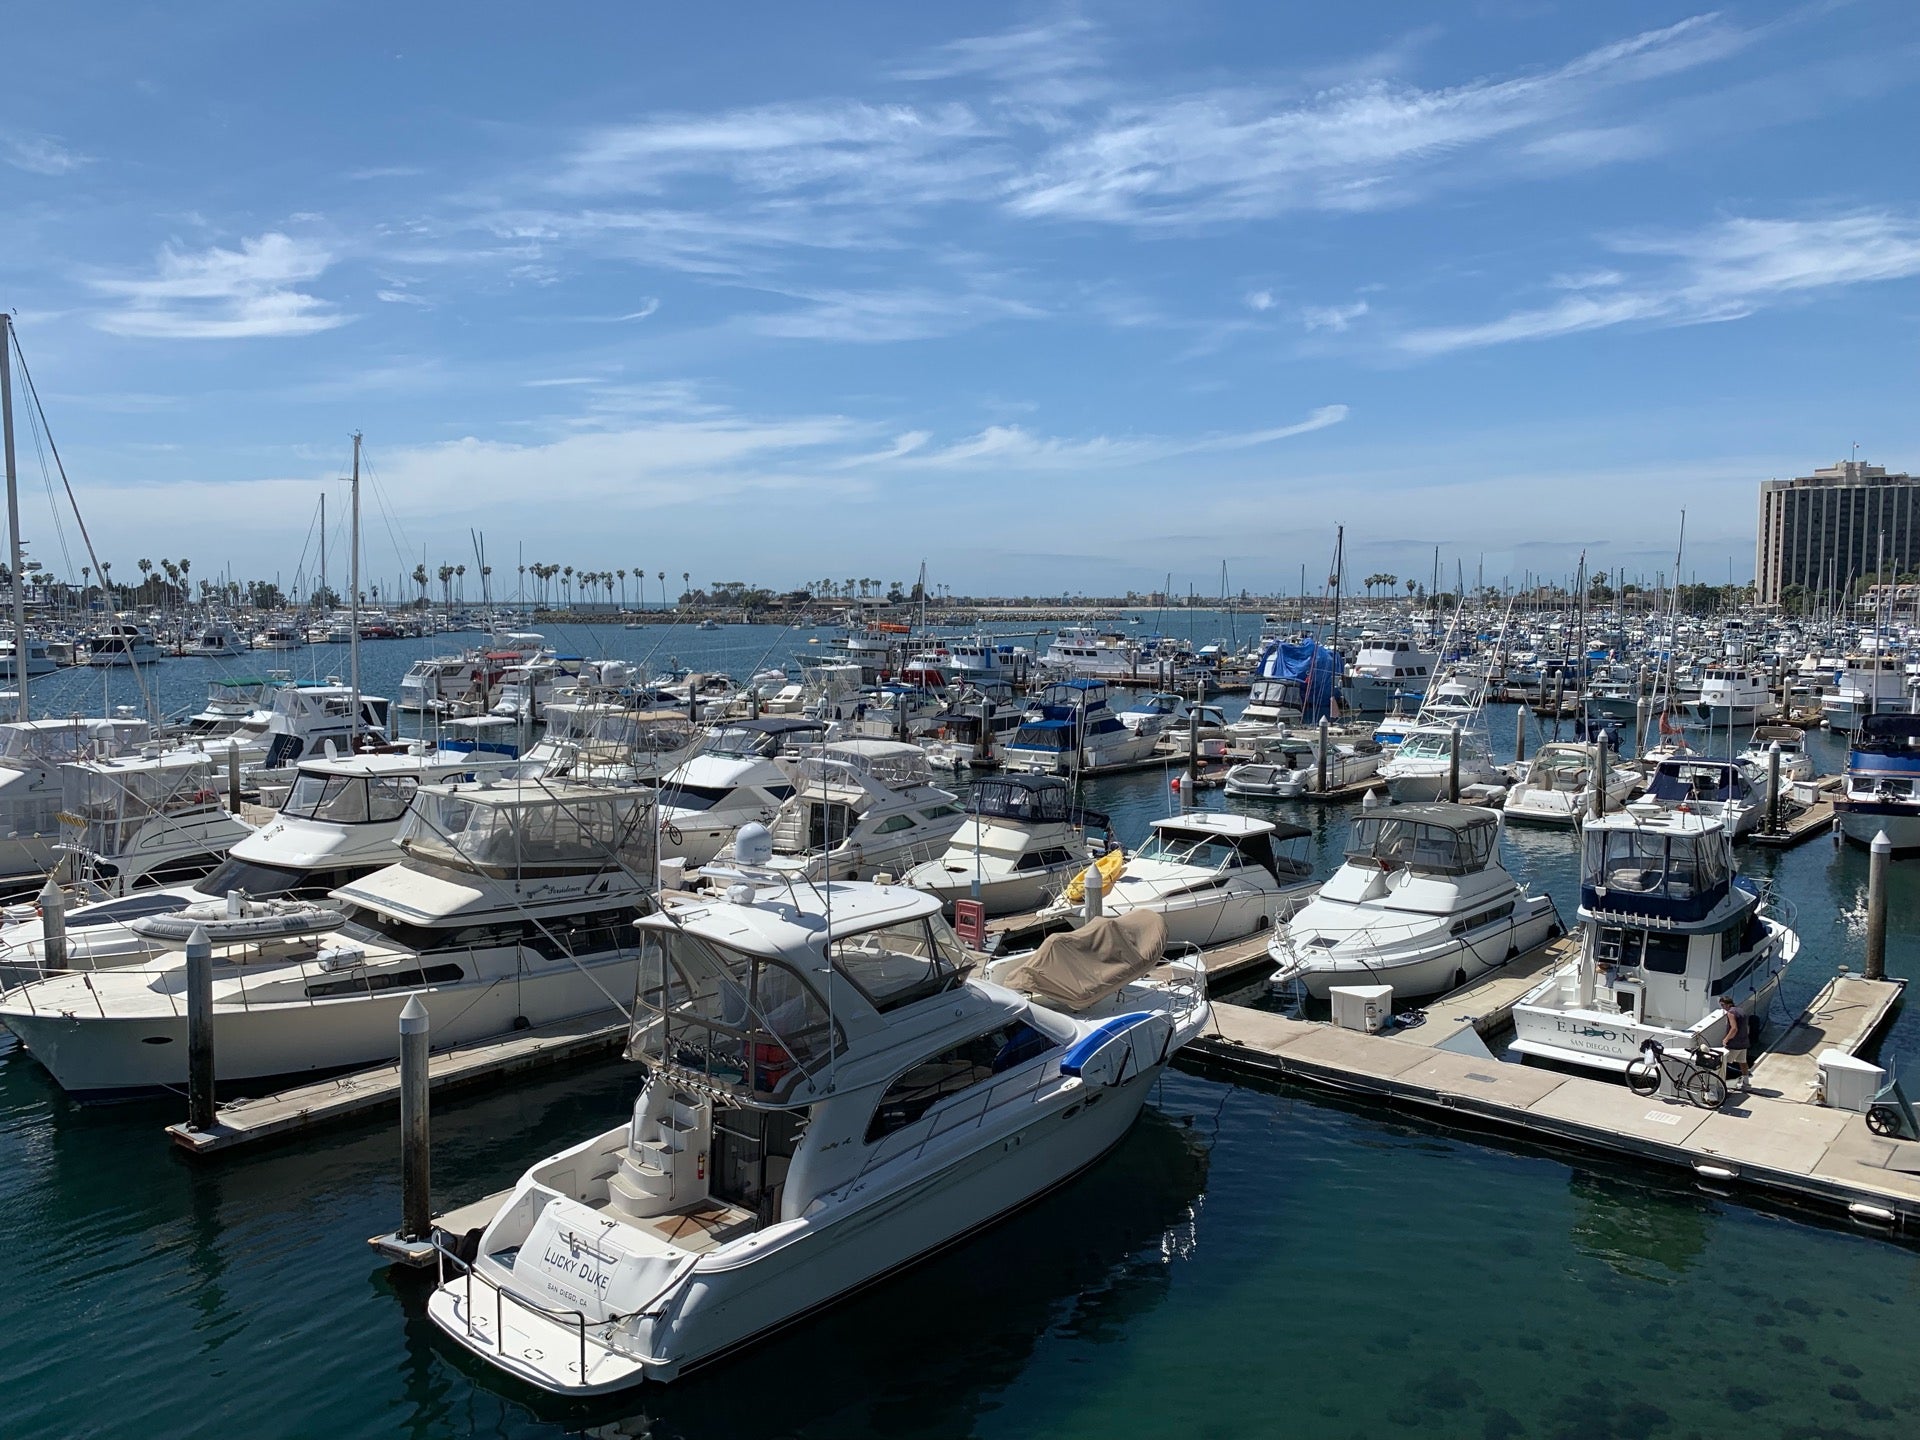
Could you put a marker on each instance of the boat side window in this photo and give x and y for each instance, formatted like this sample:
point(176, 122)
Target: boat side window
point(966, 1065)
point(389, 795)
point(893, 824)
point(371, 980)
point(900, 964)
point(1666, 953)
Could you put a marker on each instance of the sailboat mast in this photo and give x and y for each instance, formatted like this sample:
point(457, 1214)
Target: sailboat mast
point(13, 516)
point(323, 549)
point(353, 589)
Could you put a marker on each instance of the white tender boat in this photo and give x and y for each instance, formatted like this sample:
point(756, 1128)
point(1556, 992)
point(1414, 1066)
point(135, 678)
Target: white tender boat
point(828, 1098)
point(1668, 930)
point(1023, 840)
point(513, 907)
point(1421, 903)
point(1214, 877)
point(1557, 786)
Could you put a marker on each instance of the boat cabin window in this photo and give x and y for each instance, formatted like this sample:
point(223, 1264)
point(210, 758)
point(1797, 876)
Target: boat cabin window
point(902, 963)
point(1655, 864)
point(738, 1023)
point(973, 1063)
point(349, 799)
point(268, 881)
point(368, 981)
point(1679, 781)
point(1423, 848)
point(693, 798)
point(1044, 859)
point(527, 827)
point(1662, 951)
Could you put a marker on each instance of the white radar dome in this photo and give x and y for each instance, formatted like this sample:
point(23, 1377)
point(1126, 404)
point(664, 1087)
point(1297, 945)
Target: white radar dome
point(753, 845)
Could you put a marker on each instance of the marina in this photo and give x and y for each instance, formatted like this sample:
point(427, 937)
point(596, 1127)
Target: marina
point(1105, 723)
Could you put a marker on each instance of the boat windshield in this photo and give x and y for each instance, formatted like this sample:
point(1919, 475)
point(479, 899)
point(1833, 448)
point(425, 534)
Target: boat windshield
point(1655, 865)
point(1427, 745)
point(1008, 799)
point(726, 1022)
point(1178, 847)
point(1426, 849)
point(528, 826)
point(349, 799)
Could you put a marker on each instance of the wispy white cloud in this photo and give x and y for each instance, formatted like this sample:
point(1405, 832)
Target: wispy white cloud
point(888, 315)
point(402, 297)
point(221, 294)
point(1260, 300)
point(40, 154)
point(1015, 448)
point(1723, 272)
point(1243, 153)
point(1332, 317)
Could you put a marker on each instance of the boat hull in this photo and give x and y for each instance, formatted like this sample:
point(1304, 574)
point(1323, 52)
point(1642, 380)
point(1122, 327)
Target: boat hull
point(734, 1302)
point(1418, 972)
point(1861, 821)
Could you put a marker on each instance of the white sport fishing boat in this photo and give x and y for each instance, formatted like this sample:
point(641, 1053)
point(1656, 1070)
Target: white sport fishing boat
point(33, 754)
point(829, 1097)
point(735, 780)
point(1213, 876)
point(860, 807)
point(1421, 903)
point(155, 818)
point(1422, 768)
point(514, 907)
point(1022, 841)
point(1557, 786)
point(1286, 767)
point(1668, 930)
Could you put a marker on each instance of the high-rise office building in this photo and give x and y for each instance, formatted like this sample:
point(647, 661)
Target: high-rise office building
point(1843, 523)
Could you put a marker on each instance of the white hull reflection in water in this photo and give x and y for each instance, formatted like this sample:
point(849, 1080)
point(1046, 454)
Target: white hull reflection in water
point(514, 906)
point(829, 1097)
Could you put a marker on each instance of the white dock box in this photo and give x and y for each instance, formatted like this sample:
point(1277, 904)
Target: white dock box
point(1847, 1083)
point(1362, 1007)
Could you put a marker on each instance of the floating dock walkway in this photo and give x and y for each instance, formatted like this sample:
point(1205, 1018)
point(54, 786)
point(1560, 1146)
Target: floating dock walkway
point(364, 1092)
point(1774, 1142)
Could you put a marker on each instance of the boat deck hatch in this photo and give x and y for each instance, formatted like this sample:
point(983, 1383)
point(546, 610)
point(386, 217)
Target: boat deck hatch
point(701, 1227)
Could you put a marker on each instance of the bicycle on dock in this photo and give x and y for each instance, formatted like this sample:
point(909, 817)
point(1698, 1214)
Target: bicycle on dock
point(1695, 1074)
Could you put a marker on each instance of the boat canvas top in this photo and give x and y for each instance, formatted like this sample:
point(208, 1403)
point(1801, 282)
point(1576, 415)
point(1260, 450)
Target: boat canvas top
point(1030, 800)
point(864, 764)
point(525, 827)
point(1686, 779)
point(1433, 839)
point(1655, 865)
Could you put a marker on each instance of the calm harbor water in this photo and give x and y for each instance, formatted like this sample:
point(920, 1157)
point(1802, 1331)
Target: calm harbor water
point(1249, 1261)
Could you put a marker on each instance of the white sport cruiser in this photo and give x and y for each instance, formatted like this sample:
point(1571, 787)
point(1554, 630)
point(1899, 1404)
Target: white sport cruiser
point(830, 1095)
point(1421, 903)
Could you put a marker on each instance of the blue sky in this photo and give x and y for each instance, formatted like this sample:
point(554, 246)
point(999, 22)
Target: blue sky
point(1054, 297)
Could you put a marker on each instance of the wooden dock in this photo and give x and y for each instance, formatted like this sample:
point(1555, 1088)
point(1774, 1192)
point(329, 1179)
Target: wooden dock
point(365, 1092)
point(1805, 823)
point(1775, 1142)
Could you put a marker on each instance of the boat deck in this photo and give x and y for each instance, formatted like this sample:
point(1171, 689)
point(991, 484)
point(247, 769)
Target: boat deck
point(1775, 1142)
point(1804, 824)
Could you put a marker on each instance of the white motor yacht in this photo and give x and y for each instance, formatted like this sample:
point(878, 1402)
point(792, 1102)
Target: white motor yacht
point(217, 640)
point(1074, 732)
point(1719, 789)
point(1556, 787)
point(736, 779)
point(120, 643)
point(1213, 877)
point(1421, 903)
point(1733, 695)
point(1668, 929)
point(153, 818)
point(1288, 766)
point(340, 820)
point(513, 907)
point(1422, 768)
point(32, 756)
point(433, 683)
point(828, 1098)
point(1023, 840)
point(1865, 684)
point(40, 660)
point(1795, 763)
point(280, 636)
point(860, 807)
point(1271, 706)
point(1880, 792)
point(1388, 673)
point(1163, 710)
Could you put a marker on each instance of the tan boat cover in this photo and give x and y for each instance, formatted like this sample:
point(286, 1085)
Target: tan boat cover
point(1082, 967)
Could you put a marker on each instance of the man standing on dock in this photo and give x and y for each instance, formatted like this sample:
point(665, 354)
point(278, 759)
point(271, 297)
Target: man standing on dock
point(1735, 1041)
